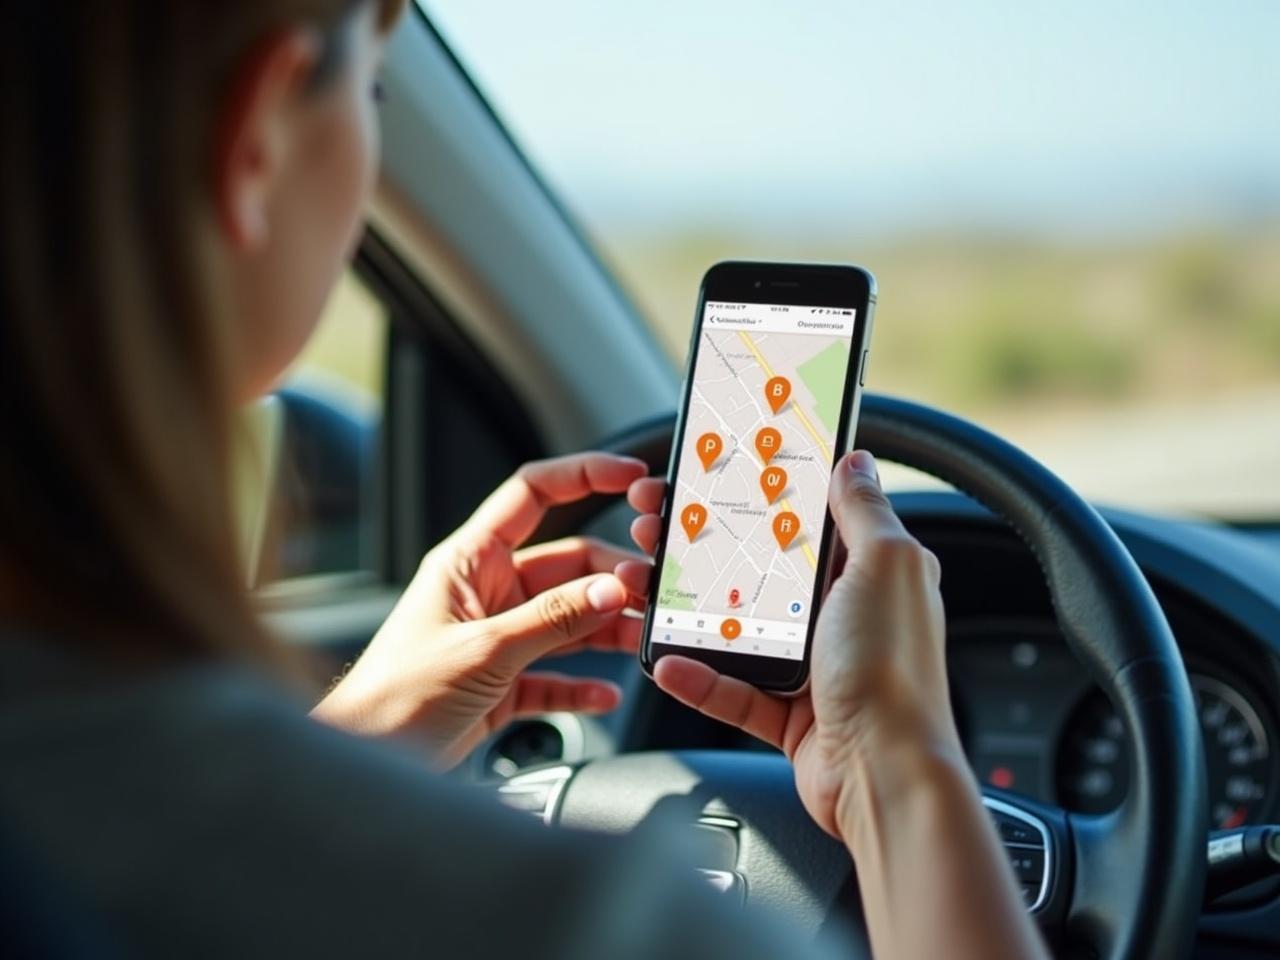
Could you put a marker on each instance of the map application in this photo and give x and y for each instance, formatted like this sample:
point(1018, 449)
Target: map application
point(749, 495)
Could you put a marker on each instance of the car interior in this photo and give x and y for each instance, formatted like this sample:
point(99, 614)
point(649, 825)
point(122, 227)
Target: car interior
point(1114, 659)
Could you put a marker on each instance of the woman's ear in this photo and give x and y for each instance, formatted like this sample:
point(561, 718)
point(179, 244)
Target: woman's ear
point(256, 132)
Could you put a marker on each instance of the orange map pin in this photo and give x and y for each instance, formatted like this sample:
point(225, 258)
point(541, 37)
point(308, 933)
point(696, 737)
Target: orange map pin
point(777, 391)
point(773, 481)
point(693, 518)
point(785, 527)
point(730, 628)
point(768, 442)
point(709, 447)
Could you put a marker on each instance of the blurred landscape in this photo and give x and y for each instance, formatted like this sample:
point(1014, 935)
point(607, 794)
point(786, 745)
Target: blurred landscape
point(1146, 371)
point(982, 323)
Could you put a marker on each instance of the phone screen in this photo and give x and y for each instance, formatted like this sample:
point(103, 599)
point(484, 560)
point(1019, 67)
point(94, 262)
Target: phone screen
point(741, 558)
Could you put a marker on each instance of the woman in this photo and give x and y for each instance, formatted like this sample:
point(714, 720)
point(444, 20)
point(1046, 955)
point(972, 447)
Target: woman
point(182, 184)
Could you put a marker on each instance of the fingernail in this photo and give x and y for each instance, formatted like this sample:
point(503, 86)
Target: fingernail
point(865, 464)
point(606, 594)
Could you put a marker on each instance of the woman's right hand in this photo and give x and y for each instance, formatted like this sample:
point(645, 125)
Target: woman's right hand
point(877, 758)
point(877, 702)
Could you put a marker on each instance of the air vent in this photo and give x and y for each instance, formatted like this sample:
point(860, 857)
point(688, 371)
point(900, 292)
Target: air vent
point(553, 738)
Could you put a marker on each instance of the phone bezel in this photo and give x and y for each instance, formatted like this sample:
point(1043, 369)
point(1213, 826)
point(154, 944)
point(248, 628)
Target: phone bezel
point(847, 287)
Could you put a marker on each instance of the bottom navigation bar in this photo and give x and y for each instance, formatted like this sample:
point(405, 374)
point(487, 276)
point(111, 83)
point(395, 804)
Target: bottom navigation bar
point(751, 628)
point(713, 641)
point(769, 638)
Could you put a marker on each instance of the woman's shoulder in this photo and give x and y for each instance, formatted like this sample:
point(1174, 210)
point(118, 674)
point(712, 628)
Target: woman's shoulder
point(200, 735)
point(200, 809)
point(205, 797)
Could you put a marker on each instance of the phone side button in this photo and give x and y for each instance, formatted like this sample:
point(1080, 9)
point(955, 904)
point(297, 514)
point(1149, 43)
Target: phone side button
point(862, 373)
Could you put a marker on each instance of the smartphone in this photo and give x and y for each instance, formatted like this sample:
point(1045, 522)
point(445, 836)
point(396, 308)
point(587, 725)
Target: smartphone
point(770, 401)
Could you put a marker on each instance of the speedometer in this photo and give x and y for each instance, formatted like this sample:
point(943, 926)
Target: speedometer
point(1093, 760)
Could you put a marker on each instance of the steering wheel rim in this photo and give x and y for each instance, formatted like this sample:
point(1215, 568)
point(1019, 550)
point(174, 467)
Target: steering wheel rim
point(1114, 625)
point(1128, 884)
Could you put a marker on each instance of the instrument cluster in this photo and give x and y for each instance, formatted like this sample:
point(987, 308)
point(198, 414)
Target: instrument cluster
point(1034, 723)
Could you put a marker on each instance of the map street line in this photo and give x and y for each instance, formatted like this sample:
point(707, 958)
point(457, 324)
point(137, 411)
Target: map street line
point(746, 338)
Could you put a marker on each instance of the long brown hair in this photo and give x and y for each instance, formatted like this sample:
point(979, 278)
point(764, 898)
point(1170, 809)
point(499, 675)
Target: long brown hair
point(116, 405)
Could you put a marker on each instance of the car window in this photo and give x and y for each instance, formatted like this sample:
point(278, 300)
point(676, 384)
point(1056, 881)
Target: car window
point(323, 515)
point(1073, 211)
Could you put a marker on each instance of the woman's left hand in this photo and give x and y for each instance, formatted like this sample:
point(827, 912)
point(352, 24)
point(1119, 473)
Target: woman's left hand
point(449, 665)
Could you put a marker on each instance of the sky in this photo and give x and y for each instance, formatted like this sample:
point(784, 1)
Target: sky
point(1073, 117)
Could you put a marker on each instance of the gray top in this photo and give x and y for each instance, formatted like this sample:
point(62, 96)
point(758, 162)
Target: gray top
point(198, 812)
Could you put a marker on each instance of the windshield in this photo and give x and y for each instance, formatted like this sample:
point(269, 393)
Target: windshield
point(1073, 210)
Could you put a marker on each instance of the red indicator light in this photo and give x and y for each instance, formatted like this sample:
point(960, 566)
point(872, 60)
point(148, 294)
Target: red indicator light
point(1001, 778)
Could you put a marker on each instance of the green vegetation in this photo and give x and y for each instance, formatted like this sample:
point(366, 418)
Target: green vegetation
point(982, 323)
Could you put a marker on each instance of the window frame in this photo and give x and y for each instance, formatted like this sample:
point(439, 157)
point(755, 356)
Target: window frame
point(425, 346)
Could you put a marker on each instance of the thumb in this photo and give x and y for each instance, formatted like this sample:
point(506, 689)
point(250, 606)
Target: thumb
point(556, 618)
point(860, 508)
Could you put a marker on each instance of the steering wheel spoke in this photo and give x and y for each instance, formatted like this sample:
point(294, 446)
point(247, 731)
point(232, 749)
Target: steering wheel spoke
point(1037, 841)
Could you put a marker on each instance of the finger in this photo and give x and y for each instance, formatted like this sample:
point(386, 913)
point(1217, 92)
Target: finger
point(724, 698)
point(514, 510)
point(620, 636)
point(635, 576)
point(556, 618)
point(550, 564)
point(645, 531)
point(646, 494)
point(536, 693)
point(860, 508)
point(553, 692)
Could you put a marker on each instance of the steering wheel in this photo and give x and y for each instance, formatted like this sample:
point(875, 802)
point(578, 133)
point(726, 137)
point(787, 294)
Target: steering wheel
point(1126, 884)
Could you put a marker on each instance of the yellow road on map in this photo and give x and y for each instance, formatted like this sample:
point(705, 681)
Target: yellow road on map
point(768, 370)
point(786, 504)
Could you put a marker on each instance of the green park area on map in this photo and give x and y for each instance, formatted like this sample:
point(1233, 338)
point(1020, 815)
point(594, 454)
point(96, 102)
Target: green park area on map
point(824, 376)
point(669, 587)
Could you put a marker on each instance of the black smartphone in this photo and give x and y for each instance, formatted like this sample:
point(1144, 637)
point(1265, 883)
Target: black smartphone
point(770, 401)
